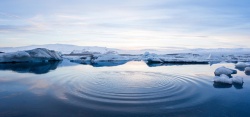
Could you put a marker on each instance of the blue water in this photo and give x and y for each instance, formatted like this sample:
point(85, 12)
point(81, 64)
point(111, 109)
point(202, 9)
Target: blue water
point(132, 89)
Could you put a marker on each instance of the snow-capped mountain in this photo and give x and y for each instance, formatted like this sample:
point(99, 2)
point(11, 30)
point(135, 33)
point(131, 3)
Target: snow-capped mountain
point(66, 49)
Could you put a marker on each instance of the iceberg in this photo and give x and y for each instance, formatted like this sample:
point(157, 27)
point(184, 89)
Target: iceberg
point(44, 54)
point(20, 56)
point(224, 70)
point(214, 58)
point(151, 58)
point(187, 58)
point(223, 79)
point(35, 55)
point(109, 56)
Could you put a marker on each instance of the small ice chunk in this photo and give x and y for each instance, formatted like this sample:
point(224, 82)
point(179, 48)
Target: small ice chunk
point(237, 79)
point(224, 70)
point(241, 65)
point(247, 69)
point(223, 79)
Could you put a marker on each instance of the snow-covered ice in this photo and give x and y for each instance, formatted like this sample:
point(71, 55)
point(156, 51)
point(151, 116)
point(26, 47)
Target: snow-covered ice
point(212, 57)
point(154, 60)
point(109, 56)
point(150, 55)
point(20, 56)
point(91, 58)
point(223, 79)
point(224, 70)
point(242, 65)
point(174, 58)
point(237, 80)
point(35, 55)
point(44, 54)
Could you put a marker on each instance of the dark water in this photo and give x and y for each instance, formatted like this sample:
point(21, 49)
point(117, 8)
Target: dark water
point(133, 89)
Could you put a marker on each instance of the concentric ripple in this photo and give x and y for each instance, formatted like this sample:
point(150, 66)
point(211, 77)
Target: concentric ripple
point(133, 91)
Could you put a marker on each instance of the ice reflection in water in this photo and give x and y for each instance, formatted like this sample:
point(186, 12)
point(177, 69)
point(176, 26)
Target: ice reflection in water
point(36, 68)
point(131, 89)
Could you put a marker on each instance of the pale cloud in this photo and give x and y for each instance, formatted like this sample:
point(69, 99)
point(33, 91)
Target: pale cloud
point(128, 23)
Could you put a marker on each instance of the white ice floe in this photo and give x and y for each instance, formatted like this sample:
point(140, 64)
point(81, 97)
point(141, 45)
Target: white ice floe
point(237, 80)
point(214, 57)
point(95, 58)
point(224, 70)
point(223, 79)
point(174, 58)
point(82, 52)
point(242, 65)
point(109, 56)
point(35, 55)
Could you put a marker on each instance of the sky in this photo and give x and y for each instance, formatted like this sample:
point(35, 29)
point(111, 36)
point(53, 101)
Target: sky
point(126, 24)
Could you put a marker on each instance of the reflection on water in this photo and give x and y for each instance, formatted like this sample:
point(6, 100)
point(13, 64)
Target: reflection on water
point(133, 89)
point(221, 85)
point(36, 68)
point(240, 68)
point(108, 64)
point(243, 69)
point(139, 92)
point(247, 73)
point(102, 63)
point(171, 64)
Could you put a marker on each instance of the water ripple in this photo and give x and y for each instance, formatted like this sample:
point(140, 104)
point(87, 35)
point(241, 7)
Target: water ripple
point(129, 91)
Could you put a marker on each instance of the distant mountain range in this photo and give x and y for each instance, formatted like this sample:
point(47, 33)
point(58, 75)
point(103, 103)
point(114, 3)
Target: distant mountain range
point(66, 49)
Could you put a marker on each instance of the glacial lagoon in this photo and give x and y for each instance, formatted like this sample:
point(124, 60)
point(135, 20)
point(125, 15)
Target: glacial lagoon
point(124, 89)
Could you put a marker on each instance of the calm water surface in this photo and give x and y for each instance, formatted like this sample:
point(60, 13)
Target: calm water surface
point(64, 89)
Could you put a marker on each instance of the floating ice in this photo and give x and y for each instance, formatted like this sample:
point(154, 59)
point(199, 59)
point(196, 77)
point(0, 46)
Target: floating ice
point(223, 79)
point(154, 60)
point(224, 70)
point(109, 56)
point(241, 65)
point(237, 79)
point(35, 55)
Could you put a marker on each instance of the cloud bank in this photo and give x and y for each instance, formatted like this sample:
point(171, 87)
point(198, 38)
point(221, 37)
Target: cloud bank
point(126, 24)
